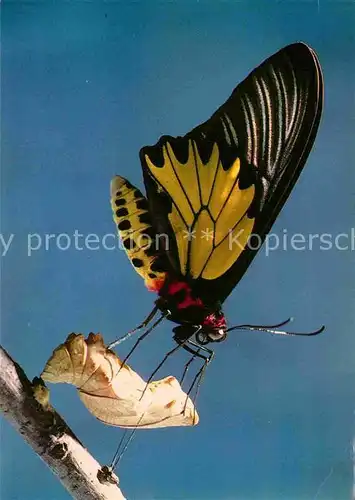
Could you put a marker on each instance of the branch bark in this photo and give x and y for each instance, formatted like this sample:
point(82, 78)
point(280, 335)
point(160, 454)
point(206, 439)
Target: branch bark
point(49, 436)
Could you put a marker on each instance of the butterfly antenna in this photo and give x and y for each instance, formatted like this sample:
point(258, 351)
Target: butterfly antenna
point(241, 327)
point(139, 327)
point(272, 329)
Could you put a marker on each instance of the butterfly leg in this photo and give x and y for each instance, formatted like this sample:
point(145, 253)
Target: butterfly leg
point(167, 355)
point(187, 366)
point(198, 378)
point(122, 449)
point(144, 323)
point(163, 316)
point(195, 351)
point(181, 343)
point(207, 359)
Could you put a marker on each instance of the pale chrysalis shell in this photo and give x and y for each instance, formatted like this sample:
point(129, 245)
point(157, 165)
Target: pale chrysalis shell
point(113, 394)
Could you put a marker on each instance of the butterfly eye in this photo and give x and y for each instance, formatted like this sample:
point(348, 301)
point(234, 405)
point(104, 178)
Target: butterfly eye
point(205, 336)
point(202, 337)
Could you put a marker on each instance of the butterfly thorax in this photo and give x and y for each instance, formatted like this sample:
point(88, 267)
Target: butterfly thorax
point(188, 310)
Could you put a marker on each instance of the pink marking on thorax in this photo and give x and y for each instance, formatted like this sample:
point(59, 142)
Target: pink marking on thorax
point(213, 321)
point(188, 301)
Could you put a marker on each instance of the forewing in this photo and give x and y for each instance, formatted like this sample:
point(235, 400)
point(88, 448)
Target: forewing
point(229, 177)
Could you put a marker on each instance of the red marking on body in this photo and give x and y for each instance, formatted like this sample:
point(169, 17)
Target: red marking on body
point(177, 286)
point(213, 320)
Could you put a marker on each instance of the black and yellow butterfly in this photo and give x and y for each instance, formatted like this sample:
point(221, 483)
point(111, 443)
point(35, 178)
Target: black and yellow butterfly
point(213, 195)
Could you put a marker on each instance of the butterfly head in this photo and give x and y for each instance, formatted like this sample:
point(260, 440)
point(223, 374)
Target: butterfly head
point(212, 329)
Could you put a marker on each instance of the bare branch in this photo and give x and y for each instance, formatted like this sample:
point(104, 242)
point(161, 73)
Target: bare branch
point(49, 436)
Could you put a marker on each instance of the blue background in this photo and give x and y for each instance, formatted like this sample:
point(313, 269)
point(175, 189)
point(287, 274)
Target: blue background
point(84, 86)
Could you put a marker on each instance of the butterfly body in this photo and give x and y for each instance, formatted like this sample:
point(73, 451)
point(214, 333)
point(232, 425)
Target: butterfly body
point(191, 313)
point(213, 195)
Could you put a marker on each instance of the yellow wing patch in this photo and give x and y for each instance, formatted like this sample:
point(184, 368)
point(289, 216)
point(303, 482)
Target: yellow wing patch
point(209, 210)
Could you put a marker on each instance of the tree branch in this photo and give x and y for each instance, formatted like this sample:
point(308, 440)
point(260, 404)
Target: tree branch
point(49, 436)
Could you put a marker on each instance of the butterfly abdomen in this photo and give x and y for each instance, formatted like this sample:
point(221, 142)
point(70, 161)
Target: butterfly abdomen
point(134, 224)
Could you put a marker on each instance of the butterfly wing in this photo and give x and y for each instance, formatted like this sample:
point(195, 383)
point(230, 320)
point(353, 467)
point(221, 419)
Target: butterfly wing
point(138, 235)
point(217, 191)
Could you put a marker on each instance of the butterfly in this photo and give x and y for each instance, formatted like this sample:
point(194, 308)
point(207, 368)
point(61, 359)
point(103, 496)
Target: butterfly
point(213, 195)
